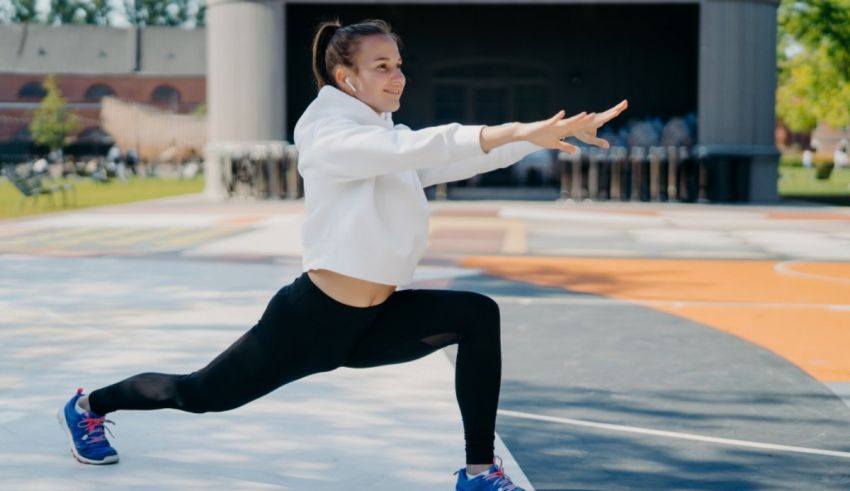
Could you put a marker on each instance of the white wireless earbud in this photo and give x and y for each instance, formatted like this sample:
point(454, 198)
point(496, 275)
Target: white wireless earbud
point(348, 81)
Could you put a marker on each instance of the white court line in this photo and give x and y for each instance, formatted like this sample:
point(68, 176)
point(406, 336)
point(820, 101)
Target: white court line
point(673, 434)
point(785, 268)
point(601, 301)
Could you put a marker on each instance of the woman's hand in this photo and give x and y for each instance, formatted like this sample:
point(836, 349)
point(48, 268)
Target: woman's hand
point(587, 130)
point(549, 133)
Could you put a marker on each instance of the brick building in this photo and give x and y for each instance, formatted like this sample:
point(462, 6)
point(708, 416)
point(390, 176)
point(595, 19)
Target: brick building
point(165, 67)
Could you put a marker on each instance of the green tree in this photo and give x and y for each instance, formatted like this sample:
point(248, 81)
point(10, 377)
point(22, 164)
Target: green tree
point(814, 80)
point(157, 12)
point(98, 12)
point(67, 12)
point(79, 12)
point(201, 16)
point(52, 122)
point(815, 23)
point(24, 11)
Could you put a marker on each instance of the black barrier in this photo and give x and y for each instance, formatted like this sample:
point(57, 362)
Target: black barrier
point(725, 170)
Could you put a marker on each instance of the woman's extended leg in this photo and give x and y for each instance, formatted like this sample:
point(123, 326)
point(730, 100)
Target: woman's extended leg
point(289, 341)
point(415, 323)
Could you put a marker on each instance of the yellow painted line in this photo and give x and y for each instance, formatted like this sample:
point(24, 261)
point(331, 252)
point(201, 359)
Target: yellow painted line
point(43, 234)
point(743, 298)
point(94, 236)
point(49, 236)
point(193, 238)
point(105, 235)
point(146, 234)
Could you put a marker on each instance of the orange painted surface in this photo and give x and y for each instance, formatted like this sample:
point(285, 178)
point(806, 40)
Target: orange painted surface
point(805, 319)
point(799, 215)
point(241, 220)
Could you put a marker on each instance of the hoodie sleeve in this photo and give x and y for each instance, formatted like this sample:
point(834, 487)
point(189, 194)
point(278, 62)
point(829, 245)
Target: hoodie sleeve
point(497, 158)
point(349, 150)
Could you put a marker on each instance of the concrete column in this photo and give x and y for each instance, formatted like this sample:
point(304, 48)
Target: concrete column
point(737, 85)
point(245, 77)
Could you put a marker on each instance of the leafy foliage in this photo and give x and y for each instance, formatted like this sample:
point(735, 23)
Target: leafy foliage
point(24, 11)
point(52, 122)
point(814, 82)
point(157, 12)
point(175, 13)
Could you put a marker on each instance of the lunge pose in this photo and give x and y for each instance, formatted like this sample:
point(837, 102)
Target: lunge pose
point(365, 230)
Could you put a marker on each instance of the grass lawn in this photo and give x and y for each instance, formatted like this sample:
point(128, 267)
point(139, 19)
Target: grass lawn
point(91, 193)
point(797, 181)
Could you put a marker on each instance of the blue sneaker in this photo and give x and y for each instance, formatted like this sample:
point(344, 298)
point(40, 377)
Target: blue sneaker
point(86, 432)
point(494, 480)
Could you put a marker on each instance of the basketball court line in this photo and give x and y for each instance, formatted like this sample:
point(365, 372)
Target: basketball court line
point(602, 302)
point(784, 267)
point(675, 434)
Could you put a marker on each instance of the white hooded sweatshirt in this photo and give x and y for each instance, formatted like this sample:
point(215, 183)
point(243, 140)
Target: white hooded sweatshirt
point(366, 211)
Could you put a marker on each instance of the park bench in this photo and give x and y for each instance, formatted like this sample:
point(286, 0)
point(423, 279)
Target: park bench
point(33, 188)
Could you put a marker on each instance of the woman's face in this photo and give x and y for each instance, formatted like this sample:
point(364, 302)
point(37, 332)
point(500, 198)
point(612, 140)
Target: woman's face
point(379, 81)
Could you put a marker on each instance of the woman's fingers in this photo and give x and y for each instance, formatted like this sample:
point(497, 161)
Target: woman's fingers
point(578, 120)
point(583, 126)
point(566, 147)
point(573, 119)
point(600, 142)
point(558, 115)
point(615, 111)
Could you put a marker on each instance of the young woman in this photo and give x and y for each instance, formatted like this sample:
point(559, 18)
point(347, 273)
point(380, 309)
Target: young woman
point(366, 228)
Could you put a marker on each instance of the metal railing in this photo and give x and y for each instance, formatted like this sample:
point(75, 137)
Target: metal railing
point(269, 169)
point(632, 174)
point(261, 169)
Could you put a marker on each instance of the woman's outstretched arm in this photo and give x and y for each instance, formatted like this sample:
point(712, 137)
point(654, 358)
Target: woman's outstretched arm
point(501, 156)
point(510, 142)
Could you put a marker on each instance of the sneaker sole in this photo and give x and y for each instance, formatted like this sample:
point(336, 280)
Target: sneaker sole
point(60, 415)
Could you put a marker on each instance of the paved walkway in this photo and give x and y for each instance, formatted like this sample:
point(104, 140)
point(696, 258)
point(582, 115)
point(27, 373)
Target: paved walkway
point(645, 346)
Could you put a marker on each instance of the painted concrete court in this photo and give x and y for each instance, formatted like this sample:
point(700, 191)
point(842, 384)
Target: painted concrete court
point(645, 346)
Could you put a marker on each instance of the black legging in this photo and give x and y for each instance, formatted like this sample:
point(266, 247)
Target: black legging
point(304, 331)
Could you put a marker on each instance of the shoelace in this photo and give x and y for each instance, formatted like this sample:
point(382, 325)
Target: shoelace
point(94, 429)
point(501, 479)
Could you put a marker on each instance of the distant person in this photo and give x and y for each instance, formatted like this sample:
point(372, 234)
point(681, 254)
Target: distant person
point(366, 226)
point(40, 167)
point(114, 156)
point(55, 156)
point(132, 159)
point(840, 156)
point(808, 158)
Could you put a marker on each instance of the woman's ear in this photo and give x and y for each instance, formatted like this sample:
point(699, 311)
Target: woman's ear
point(348, 81)
point(342, 77)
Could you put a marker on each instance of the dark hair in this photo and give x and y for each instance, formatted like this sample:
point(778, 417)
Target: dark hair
point(335, 45)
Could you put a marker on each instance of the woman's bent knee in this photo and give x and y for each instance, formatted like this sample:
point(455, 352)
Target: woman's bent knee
point(483, 306)
point(483, 314)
